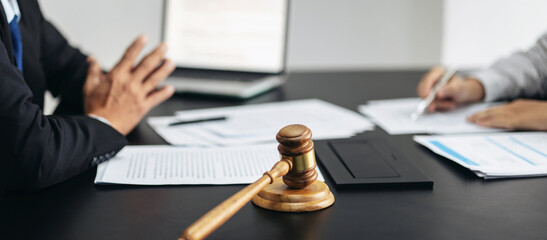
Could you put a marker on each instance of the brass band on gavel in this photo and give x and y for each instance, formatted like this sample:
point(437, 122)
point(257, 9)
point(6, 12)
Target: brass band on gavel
point(299, 191)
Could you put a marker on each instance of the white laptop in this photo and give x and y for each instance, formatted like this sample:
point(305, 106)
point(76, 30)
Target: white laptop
point(231, 48)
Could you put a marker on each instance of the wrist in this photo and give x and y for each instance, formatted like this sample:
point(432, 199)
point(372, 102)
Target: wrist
point(109, 120)
point(475, 89)
point(103, 120)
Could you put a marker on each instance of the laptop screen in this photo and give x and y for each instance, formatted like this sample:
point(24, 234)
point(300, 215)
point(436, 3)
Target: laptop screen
point(235, 35)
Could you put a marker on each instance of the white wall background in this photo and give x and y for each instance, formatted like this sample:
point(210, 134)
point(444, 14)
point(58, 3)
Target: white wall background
point(336, 34)
point(324, 34)
point(104, 28)
point(357, 34)
point(477, 32)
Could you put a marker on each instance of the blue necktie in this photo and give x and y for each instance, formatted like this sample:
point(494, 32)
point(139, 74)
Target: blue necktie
point(16, 42)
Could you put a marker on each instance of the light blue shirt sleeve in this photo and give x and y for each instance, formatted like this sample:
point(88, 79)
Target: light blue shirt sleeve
point(521, 75)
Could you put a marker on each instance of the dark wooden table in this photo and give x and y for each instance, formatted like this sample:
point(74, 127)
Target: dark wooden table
point(459, 206)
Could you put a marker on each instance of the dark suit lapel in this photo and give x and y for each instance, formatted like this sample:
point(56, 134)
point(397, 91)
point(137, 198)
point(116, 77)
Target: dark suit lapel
point(5, 34)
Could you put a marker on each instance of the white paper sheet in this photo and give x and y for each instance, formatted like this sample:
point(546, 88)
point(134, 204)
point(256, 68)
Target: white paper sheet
point(494, 155)
point(259, 123)
point(394, 116)
point(168, 165)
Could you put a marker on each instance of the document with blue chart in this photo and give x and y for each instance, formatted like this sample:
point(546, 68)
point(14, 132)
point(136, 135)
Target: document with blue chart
point(494, 155)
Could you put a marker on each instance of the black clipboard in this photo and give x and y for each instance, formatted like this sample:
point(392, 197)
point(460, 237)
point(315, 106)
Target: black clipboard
point(369, 161)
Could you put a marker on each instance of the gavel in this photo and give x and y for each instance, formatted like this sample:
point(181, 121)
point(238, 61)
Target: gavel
point(299, 191)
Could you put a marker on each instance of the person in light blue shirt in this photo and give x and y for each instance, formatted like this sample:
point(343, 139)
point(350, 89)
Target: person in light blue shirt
point(521, 78)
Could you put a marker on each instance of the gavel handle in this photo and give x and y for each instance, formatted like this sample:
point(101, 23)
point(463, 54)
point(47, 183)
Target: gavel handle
point(224, 211)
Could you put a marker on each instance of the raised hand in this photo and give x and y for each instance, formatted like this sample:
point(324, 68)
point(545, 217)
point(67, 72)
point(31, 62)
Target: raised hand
point(126, 93)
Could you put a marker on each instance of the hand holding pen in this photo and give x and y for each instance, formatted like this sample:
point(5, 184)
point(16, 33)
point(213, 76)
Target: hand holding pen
point(426, 102)
point(456, 92)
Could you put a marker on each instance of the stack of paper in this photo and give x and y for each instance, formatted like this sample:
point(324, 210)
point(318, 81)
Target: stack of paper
point(494, 155)
point(259, 123)
point(168, 165)
point(394, 116)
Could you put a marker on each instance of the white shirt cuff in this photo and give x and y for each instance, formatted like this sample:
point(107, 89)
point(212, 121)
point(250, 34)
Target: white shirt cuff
point(100, 119)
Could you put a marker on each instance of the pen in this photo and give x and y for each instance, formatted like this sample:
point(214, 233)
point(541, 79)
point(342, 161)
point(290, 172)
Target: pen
point(197, 121)
point(424, 103)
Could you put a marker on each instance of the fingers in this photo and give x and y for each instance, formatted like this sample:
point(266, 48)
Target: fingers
point(149, 63)
point(132, 52)
point(147, 74)
point(158, 96)
point(462, 90)
point(94, 73)
point(94, 70)
point(495, 123)
point(442, 105)
point(446, 98)
point(456, 92)
point(452, 91)
point(487, 114)
point(159, 75)
point(429, 80)
point(480, 116)
point(494, 117)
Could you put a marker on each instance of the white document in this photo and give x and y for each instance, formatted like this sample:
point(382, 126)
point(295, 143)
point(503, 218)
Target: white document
point(494, 155)
point(168, 165)
point(259, 123)
point(394, 116)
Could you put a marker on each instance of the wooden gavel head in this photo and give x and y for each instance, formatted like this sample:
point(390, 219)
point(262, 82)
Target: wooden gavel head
point(298, 165)
point(296, 145)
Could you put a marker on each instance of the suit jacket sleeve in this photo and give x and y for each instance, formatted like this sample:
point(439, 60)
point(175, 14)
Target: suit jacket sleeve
point(38, 150)
point(523, 74)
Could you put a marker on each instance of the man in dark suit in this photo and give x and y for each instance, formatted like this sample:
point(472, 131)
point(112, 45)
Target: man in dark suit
point(96, 110)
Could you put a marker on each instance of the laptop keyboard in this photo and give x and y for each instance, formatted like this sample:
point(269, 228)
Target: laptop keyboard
point(224, 75)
